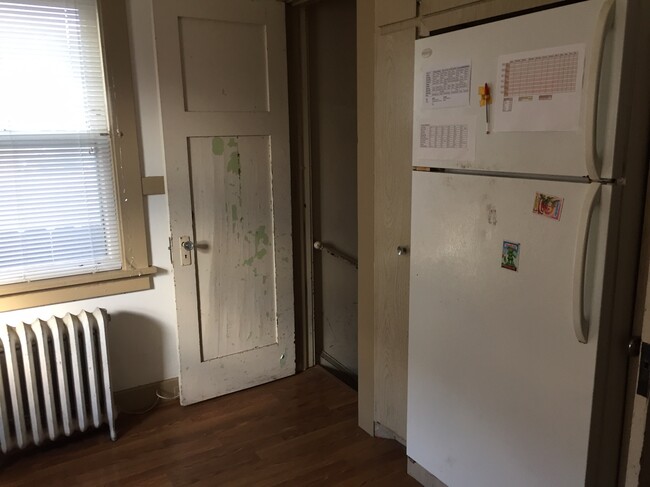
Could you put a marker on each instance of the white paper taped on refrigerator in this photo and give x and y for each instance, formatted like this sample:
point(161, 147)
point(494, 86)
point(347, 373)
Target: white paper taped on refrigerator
point(539, 91)
point(439, 138)
point(447, 86)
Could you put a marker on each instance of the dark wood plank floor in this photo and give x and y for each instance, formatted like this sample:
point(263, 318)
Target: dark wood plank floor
point(298, 431)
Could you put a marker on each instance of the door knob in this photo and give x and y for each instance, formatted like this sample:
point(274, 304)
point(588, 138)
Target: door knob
point(402, 250)
point(188, 245)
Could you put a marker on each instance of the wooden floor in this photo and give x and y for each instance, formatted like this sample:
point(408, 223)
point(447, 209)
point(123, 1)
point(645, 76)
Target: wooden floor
point(298, 431)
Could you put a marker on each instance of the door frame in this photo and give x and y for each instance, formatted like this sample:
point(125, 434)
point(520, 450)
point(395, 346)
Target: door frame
point(301, 175)
point(635, 457)
point(305, 213)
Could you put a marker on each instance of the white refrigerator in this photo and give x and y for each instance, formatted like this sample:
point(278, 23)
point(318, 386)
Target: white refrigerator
point(511, 232)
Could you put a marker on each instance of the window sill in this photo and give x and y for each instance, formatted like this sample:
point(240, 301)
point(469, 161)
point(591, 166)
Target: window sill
point(74, 288)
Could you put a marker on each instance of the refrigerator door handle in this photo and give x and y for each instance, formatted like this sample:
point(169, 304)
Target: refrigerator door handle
point(580, 322)
point(593, 88)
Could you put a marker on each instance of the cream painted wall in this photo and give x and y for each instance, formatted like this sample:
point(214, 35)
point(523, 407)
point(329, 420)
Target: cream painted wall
point(142, 332)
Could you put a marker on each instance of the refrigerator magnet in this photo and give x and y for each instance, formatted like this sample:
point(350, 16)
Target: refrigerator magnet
point(510, 255)
point(548, 206)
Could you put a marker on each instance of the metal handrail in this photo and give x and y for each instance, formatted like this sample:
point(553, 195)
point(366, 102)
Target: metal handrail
point(336, 253)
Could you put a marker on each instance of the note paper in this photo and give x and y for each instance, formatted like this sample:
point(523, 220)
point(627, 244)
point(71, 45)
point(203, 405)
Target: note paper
point(539, 90)
point(447, 86)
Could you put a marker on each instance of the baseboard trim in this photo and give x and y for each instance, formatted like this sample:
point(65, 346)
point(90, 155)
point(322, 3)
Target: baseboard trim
point(143, 397)
point(419, 473)
point(338, 369)
point(382, 432)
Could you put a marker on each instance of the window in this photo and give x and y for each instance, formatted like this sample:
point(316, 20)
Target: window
point(62, 231)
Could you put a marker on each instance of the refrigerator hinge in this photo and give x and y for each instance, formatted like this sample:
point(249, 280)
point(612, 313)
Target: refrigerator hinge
point(643, 381)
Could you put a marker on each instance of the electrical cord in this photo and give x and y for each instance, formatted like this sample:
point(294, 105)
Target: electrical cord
point(166, 398)
point(155, 403)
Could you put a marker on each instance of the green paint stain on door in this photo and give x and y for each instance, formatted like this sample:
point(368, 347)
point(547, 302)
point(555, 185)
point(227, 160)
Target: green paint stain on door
point(261, 239)
point(233, 165)
point(232, 142)
point(233, 212)
point(217, 146)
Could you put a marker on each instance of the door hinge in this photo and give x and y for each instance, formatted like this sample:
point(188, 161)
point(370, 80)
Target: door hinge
point(171, 252)
point(643, 382)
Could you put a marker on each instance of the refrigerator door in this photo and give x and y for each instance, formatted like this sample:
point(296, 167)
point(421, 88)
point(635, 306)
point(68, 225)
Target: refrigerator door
point(499, 385)
point(584, 150)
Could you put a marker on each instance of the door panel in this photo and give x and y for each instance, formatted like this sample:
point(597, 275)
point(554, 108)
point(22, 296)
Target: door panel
point(232, 202)
point(492, 351)
point(223, 89)
point(230, 75)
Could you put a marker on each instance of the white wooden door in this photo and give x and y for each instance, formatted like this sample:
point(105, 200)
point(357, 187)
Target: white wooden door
point(223, 89)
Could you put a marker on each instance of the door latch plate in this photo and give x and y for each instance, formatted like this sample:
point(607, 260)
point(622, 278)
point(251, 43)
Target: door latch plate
point(184, 249)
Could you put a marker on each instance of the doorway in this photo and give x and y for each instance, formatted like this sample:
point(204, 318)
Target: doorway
point(322, 60)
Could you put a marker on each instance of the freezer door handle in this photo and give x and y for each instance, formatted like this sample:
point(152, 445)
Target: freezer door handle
point(580, 322)
point(593, 88)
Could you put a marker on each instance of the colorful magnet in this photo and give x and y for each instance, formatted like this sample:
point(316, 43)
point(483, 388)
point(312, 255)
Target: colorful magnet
point(510, 255)
point(548, 206)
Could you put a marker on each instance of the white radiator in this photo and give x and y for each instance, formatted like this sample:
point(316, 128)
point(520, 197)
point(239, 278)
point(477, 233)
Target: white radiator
point(54, 379)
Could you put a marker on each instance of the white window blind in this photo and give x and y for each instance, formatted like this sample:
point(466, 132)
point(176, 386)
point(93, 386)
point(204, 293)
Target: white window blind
point(58, 215)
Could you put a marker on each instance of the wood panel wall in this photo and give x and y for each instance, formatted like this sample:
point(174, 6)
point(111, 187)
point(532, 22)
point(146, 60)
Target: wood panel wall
point(365, 208)
point(393, 136)
point(391, 11)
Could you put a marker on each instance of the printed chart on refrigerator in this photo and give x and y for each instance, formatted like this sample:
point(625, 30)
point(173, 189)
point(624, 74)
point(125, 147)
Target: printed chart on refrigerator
point(540, 90)
point(444, 138)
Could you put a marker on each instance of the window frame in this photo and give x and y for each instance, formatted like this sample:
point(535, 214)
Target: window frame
point(136, 272)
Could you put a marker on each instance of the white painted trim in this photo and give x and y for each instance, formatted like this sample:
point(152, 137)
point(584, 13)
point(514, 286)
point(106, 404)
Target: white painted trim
point(308, 236)
point(381, 431)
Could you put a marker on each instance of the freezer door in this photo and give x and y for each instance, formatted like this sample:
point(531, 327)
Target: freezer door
point(452, 134)
point(499, 385)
